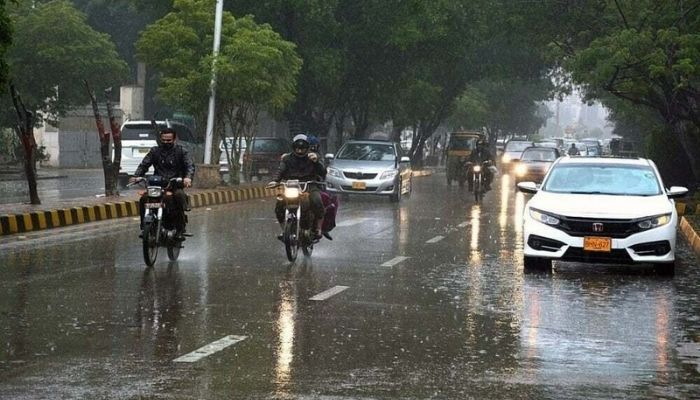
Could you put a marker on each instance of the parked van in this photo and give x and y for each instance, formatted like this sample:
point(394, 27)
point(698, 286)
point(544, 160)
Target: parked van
point(139, 136)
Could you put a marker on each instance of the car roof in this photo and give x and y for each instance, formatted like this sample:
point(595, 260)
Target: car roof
point(540, 148)
point(604, 160)
point(370, 141)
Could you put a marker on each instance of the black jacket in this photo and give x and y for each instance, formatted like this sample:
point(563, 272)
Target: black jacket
point(301, 168)
point(171, 163)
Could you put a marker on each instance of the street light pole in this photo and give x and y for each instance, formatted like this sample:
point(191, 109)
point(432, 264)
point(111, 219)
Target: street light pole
point(212, 98)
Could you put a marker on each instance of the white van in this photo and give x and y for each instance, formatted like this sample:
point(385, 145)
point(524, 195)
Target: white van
point(139, 136)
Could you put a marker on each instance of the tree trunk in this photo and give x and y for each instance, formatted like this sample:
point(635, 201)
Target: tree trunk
point(25, 130)
point(104, 144)
point(690, 141)
point(115, 164)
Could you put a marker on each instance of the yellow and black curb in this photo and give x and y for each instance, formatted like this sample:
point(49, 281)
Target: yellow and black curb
point(690, 235)
point(40, 220)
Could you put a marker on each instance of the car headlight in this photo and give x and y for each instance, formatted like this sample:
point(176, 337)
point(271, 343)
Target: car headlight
point(521, 170)
point(477, 168)
point(544, 217)
point(334, 172)
point(506, 158)
point(155, 191)
point(654, 222)
point(291, 193)
point(389, 174)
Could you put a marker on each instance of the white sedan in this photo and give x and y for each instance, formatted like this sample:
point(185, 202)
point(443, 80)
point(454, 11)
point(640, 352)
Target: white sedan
point(601, 210)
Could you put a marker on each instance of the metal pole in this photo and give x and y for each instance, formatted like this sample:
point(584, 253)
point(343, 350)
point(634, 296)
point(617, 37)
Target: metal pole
point(212, 98)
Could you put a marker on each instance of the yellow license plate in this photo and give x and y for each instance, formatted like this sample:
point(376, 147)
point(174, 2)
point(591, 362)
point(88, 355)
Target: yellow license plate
point(596, 243)
point(359, 185)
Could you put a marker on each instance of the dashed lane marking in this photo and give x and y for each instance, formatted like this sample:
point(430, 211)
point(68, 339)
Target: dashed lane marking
point(394, 261)
point(464, 224)
point(210, 349)
point(352, 222)
point(435, 239)
point(329, 293)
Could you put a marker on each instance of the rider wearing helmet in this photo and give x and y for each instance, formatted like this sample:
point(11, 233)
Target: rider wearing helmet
point(480, 155)
point(314, 143)
point(303, 165)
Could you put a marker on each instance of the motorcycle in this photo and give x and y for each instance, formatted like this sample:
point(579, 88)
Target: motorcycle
point(297, 232)
point(158, 228)
point(477, 183)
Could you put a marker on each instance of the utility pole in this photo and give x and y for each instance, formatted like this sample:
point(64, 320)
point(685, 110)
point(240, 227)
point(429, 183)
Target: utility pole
point(212, 98)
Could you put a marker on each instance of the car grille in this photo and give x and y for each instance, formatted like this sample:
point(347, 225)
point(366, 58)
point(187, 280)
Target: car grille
point(348, 188)
point(615, 228)
point(614, 256)
point(359, 175)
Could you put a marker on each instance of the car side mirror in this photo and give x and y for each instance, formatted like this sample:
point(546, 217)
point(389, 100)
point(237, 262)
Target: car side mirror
point(329, 156)
point(676, 191)
point(405, 159)
point(528, 187)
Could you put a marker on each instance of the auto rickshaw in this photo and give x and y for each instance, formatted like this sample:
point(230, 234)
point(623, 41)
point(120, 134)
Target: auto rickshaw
point(459, 149)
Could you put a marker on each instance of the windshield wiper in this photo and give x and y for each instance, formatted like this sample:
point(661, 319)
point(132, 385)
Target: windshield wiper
point(603, 193)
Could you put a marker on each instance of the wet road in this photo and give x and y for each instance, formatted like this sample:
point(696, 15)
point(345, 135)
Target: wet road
point(428, 300)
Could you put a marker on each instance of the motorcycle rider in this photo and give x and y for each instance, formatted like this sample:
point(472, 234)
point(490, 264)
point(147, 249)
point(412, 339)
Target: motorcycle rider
point(573, 150)
point(480, 155)
point(169, 160)
point(303, 165)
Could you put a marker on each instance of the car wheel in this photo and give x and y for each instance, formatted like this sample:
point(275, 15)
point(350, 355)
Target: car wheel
point(665, 269)
point(396, 196)
point(536, 264)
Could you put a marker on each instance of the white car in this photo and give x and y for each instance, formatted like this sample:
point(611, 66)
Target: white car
point(601, 210)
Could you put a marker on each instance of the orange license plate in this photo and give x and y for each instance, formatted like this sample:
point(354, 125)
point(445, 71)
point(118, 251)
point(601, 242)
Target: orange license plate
point(359, 185)
point(596, 243)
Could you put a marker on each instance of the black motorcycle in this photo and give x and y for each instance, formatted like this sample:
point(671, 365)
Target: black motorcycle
point(158, 226)
point(477, 175)
point(298, 221)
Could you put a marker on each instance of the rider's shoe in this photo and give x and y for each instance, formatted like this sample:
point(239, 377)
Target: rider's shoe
point(280, 237)
point(327, 235)
point(316, 235)
point(141, 235)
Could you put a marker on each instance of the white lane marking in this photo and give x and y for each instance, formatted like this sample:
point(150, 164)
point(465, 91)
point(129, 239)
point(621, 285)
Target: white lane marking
point(395, 261)
point(464, 224)
point(435, 239)
point(351, 222)
point(329, 293)
point(210, 349)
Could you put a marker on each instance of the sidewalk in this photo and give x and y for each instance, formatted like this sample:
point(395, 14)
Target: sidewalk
point(21, 217)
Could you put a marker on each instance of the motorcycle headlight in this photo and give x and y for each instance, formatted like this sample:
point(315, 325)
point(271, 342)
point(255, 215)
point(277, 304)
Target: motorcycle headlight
point(654, 222)
point(155, 191)
point(334, 172)
point(521, 170)
point(291, 193)
point(544, 217)
point(506, 158)
point(389, 174)
point(477, 168)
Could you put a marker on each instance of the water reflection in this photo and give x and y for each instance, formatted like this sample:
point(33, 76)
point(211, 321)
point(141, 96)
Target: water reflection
point(159, 309)
point(503, 213)
point(610, 335)
point(284, 327)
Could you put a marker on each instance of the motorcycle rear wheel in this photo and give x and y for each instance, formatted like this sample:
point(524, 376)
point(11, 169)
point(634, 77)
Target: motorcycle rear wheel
point(150, 243)
point(290, 240)
point(477, 190)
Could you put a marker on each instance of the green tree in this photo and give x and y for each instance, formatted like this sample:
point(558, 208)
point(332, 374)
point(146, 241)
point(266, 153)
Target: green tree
point(256, 69)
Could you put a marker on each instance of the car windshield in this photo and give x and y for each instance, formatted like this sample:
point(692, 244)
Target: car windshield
point(269, 146)
point(367, 151)
point(627, 180)
point(139, 132)
point(462, 143)
point(539, 155)
point(517, 146)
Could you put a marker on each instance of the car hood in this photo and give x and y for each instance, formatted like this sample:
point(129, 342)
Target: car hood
point(364, 166)
point(601, 206)
point(514, 154)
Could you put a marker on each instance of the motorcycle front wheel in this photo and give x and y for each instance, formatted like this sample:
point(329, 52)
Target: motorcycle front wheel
point(174, 247)
point(291, 240)
point(477, 189)
point(150, 243)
